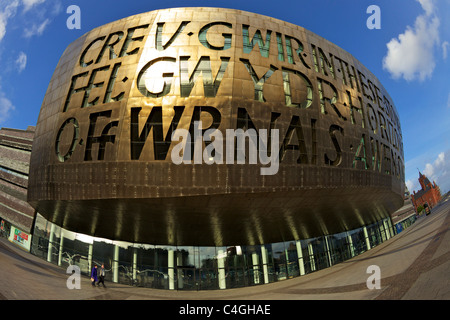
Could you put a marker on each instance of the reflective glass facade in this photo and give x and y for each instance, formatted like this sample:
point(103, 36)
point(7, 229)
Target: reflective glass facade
point(202, 268)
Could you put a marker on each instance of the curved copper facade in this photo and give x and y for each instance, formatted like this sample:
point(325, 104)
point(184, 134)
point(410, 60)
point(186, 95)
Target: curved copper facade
point(102, 154)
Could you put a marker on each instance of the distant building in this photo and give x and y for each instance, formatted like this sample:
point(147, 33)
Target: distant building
point(430, 193)
point(16, 215)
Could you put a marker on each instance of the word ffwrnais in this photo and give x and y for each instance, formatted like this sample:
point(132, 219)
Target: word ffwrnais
point(259, 142)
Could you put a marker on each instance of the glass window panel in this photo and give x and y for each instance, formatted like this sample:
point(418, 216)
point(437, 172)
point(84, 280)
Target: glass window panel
point(39, 244)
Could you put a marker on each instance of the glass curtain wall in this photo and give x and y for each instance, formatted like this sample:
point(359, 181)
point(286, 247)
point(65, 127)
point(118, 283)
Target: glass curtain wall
point(202, 268)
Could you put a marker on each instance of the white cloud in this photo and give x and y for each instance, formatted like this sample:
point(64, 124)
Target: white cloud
point(21, 61)
point(57, 8)
point(6, 107)
point(411, 55)
point(28, 4)
point(427, 5)
point(36, 29)
point(7, 10)
point(439, 171)
point(411, 185)
point(445, 45)
point(429, 170)
point(34, 20)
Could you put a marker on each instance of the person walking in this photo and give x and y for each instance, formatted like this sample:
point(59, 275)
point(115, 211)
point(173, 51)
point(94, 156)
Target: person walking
point(101, 276)
point(94, 275)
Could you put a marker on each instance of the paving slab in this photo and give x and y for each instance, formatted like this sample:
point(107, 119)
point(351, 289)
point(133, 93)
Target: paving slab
point(414, 265)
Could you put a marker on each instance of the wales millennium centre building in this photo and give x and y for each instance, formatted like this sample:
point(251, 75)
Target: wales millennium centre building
point(209, 148)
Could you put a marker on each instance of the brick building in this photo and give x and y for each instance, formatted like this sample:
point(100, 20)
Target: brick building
point(430, 193)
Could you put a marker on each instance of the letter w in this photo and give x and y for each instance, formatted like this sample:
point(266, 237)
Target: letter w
point(210, 87)
point(257, 38)
point(154, 120)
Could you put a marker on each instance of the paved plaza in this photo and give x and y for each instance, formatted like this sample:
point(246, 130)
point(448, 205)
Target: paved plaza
point(414, 264)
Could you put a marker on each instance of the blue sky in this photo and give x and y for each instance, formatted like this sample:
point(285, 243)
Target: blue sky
point(409, 54)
